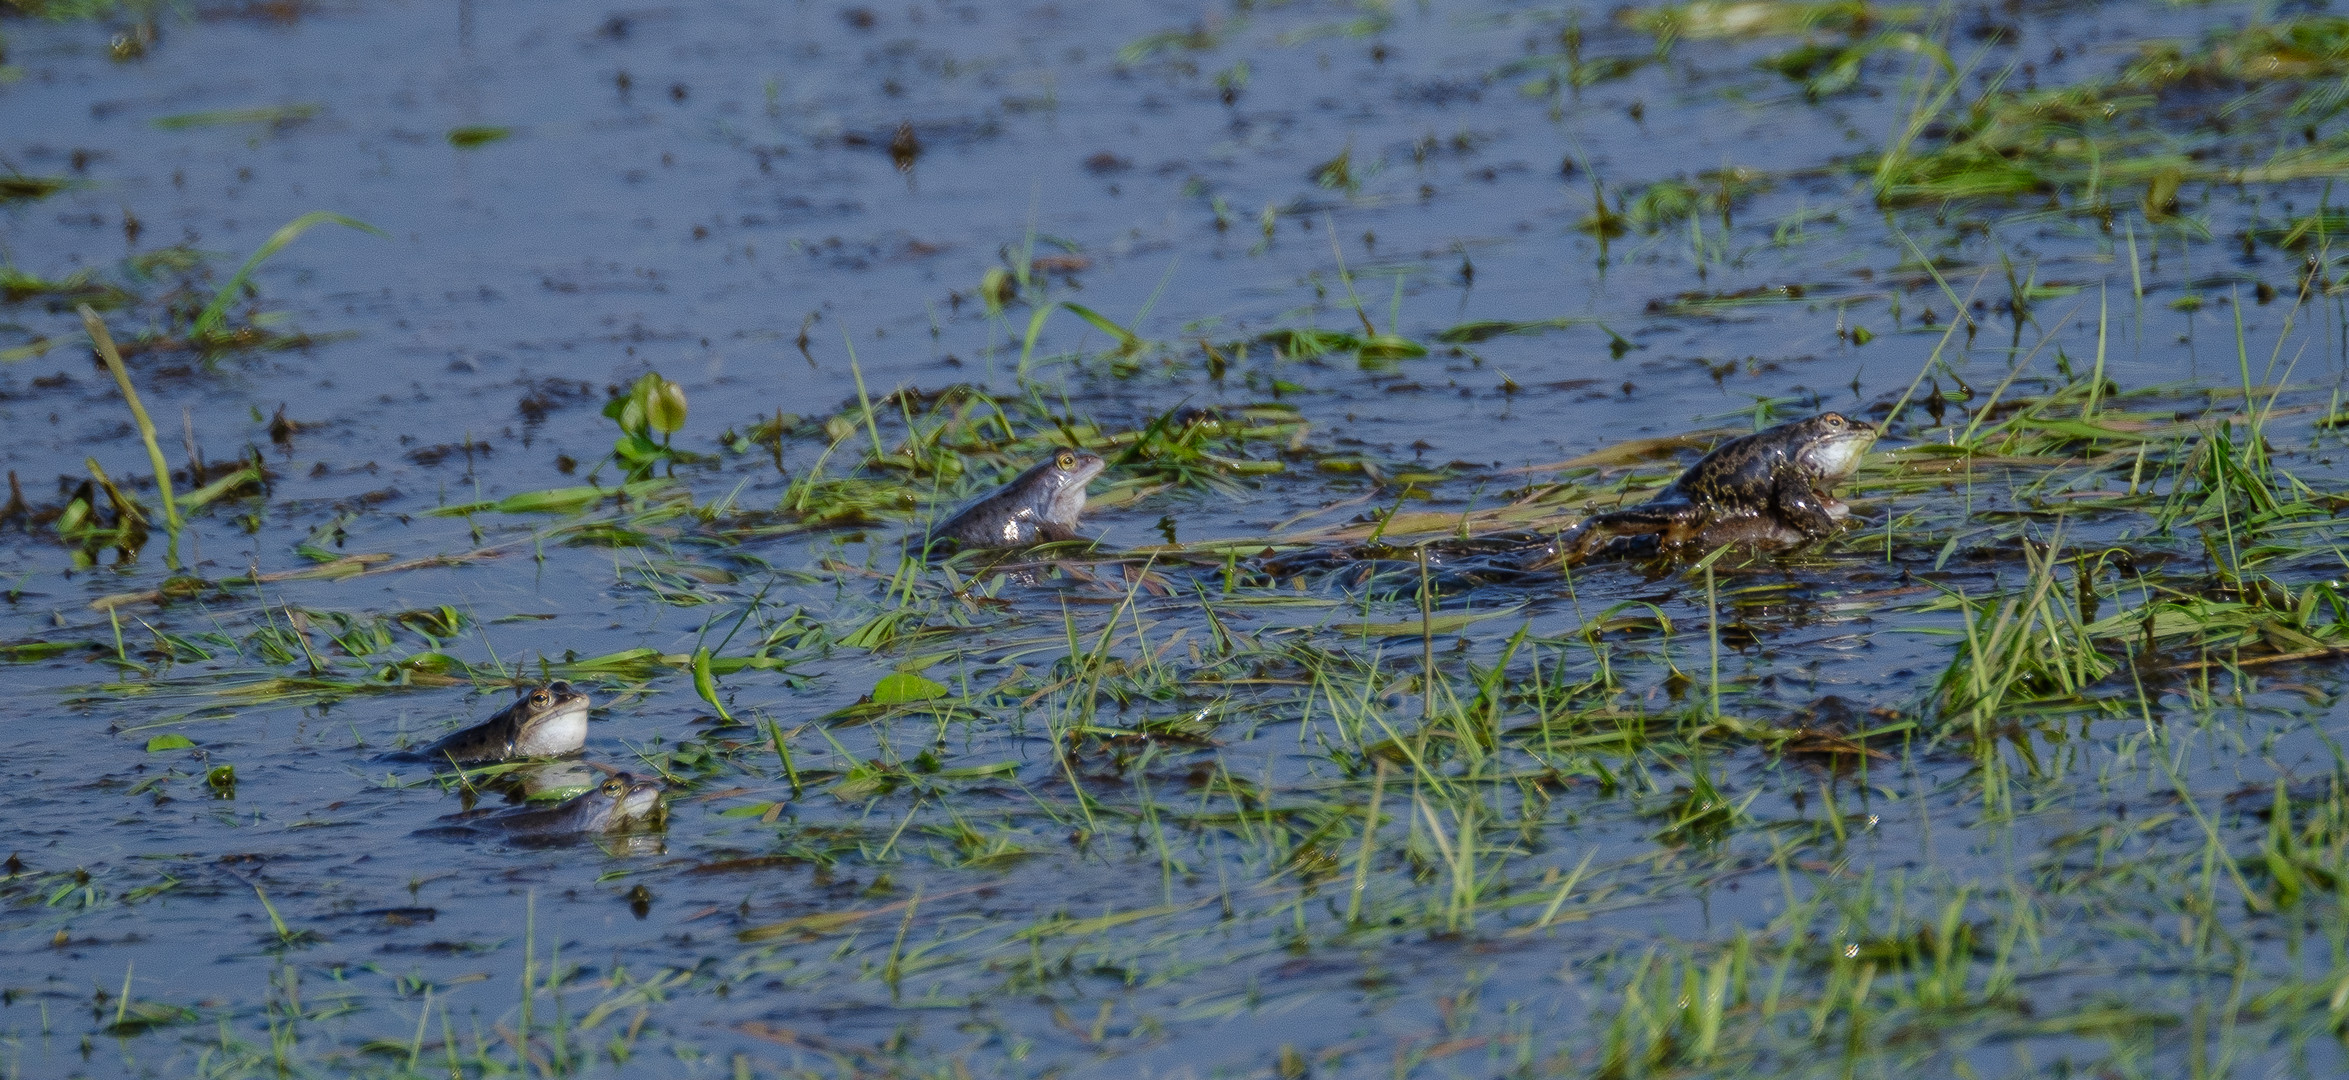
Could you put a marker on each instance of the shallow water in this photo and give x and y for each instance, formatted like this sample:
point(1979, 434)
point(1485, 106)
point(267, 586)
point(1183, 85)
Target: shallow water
point(1021, 877)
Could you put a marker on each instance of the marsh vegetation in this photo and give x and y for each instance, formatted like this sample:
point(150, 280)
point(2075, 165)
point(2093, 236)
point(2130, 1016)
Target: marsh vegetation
point(642, 349)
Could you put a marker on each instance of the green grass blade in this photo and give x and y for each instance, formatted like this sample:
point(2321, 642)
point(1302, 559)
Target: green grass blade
point(216, 313)
point(1126, 339)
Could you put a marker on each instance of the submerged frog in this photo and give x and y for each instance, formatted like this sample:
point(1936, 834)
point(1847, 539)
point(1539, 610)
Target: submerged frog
point(621, 803)
point(1768, 489)
point(1040, 504)
point(542, 722)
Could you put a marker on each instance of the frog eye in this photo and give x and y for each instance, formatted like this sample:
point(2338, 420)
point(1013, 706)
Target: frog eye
point(615, 788)
point(1832, 420)
point(1066, 460)
point(540, 698)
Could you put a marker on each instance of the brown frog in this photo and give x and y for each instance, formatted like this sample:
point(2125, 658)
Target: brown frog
point(1768, 489)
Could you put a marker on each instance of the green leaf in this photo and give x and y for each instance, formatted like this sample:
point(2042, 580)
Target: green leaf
point(1440, 624)
point(634, 447)
point(27, 651)
point(36, 348)
point(706, 684)
point(901, 687)
point(1125, 338)
point(638, 662)
point(553, 500)
point(1469, 333)
point(1389, 347)
point(727, 665)
point(429, 662)
point(160, 743)
point(465, 138)
point(216, 312)
point(997, 288)
point(16, 186)
point(218, 488)
point(562, 500)
point(272, 115)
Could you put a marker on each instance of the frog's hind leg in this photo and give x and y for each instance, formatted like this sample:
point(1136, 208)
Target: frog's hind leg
point(1756, 533)
point(1680, 532)
point(1603, 529)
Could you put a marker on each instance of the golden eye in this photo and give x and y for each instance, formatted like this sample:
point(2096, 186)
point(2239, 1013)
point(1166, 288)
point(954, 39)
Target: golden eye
point(540, 698)
point(614, 788)
point(1068, 460)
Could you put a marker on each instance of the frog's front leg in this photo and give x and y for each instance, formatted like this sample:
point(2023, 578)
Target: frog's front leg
point(1802, 506)
point(1018, 529)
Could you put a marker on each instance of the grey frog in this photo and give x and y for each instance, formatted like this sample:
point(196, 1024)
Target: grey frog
point(621, 803)
point(1040, 504)
point(542, 722)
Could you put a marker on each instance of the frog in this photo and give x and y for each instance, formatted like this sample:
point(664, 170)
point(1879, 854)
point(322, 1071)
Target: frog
point(623, 802)
point(543, 721)
point(1040, 504)
point(1767, 490)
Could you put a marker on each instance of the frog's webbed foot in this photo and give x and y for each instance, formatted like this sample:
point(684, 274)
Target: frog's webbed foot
point(1576, 548)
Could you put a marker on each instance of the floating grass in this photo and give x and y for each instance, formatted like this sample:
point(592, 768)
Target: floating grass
point(275, 116)
point(466, 138)
point(17, 187)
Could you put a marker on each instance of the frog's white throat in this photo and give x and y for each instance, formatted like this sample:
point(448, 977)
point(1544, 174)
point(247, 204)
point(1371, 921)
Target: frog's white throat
point(641, 803)
point(560, 732)
point(1067, 501)
point(1834, 459)
point(1068, 504)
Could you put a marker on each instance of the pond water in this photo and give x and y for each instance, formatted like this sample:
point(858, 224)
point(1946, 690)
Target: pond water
point(2032, 771)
